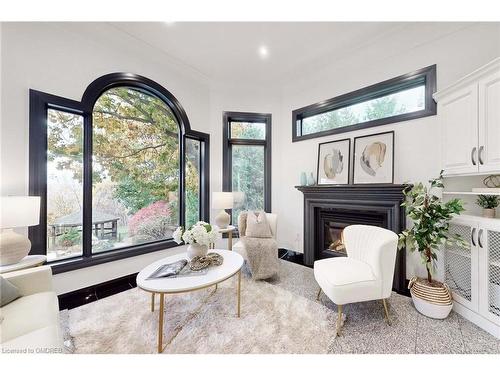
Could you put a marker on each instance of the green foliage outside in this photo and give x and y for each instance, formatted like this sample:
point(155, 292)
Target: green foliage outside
point(70, 238)
point(379, 108)
point(431, 220)
point(248, 170)
point(135, 147)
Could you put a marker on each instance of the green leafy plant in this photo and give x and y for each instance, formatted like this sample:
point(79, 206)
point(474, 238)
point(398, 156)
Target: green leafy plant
point(488, 201)
point(431, 220)
point(69, 238)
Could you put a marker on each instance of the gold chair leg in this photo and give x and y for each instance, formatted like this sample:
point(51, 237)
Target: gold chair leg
point(152, 302)
point(386, 312)
point(339, 319)
point(319, 294)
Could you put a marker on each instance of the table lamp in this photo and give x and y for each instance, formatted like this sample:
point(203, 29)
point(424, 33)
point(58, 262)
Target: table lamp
point(16, 212)
point(222, 201)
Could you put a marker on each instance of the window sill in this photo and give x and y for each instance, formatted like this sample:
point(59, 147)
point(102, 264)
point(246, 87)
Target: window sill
point(66, 265)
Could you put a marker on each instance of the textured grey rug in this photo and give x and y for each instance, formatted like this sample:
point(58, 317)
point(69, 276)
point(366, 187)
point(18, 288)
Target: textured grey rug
point(280, 316)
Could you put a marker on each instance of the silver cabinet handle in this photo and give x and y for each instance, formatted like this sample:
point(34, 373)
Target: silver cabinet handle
point(473, 156)
point(472, 236)
point(480, 155)
point(480, 238)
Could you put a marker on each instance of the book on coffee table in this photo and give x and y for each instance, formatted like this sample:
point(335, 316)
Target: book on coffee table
point(176, 269)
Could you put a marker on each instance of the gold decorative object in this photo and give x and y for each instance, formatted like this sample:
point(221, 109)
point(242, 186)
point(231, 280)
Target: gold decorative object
point(492, 181)
point(211, 259)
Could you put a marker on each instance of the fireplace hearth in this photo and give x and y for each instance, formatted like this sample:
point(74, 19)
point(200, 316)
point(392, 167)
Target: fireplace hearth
point(329, 209)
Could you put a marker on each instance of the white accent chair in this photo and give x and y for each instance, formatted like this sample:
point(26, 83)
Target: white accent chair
point(31, 322)
point(365, 274)
point(239, 246)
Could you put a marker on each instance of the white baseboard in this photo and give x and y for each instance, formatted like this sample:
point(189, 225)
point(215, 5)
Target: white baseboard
point(477, 319)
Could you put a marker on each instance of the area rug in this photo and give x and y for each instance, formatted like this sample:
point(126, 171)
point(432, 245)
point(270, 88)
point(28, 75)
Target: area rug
point(279, 316)
point(273, 320)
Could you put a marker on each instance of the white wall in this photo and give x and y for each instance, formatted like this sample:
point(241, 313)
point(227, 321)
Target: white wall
point(60, 60)
point(64, 59)
point(417, 142)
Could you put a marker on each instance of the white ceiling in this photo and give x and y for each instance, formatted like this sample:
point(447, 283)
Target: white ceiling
point(227, 53)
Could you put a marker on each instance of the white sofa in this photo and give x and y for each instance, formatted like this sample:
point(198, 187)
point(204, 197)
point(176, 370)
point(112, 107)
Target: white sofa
point(31, 323)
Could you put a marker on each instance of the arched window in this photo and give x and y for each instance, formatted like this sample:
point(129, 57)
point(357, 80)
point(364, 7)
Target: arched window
point(117, 172)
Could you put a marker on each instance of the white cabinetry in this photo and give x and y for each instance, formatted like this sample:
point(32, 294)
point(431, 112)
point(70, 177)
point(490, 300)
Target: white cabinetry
point(469, 117)
point(473, 273)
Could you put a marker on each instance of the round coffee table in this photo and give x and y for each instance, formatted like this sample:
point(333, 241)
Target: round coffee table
point(216, 274)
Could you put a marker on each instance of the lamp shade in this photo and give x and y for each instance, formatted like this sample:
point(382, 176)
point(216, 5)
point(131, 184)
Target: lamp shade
point(19, 211)
point(222, 200)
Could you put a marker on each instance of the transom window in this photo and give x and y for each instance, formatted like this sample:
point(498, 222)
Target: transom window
point(402, 98)
point(118, 172)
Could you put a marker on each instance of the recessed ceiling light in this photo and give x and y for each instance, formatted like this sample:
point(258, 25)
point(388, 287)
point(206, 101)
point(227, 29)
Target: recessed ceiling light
point(263, 52)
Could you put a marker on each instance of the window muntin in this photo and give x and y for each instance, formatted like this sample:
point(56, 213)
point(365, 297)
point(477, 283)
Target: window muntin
point(402, 98)
point(247, 130)
point(64, 184)
point(135, 163)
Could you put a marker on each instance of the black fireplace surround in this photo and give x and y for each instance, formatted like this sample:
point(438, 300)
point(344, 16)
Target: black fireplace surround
point(337, 206)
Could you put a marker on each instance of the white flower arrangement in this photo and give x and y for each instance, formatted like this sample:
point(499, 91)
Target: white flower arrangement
point(201, 233)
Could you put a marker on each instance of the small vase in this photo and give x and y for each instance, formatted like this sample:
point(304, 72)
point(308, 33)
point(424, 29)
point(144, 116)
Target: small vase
point(303, 179)
point(489, 213)
point(311, 181)
point(196, 250)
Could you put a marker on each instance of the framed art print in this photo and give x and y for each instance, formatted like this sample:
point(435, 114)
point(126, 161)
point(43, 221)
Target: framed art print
point(374, 159)
point(333, 162)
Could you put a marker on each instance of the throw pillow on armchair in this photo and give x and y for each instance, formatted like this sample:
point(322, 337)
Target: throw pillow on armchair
point(257, 225)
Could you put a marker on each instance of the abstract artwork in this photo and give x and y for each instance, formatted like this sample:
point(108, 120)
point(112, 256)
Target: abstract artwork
point(374, 159)
point(333, 162)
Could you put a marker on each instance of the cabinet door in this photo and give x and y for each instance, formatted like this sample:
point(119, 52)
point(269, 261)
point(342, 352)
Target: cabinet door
point(461, 265)
point(458, 121)
point(489, 123)
point(489, 271)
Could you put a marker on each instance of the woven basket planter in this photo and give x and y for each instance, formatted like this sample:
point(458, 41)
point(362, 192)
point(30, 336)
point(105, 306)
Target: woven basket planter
point(434, 301)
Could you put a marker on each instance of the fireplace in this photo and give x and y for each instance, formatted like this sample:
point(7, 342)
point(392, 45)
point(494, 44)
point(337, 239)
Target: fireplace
point(329, 209)
point(330, 224)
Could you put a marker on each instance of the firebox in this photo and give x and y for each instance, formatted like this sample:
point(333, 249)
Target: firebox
point(331, 223)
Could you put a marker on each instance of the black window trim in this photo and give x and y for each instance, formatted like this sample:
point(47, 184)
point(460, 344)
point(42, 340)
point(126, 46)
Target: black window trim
point(228, 142)
point(405, 81)
point(39, 104)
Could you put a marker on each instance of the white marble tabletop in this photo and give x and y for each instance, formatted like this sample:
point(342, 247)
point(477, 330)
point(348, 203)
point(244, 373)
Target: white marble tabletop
point(231, 265)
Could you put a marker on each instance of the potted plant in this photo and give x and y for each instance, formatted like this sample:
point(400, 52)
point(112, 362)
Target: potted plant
point(488, 203)
point(431, 220)
point(199, 237)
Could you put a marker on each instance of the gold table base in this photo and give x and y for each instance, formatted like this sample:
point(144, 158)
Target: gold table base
point(162, 304)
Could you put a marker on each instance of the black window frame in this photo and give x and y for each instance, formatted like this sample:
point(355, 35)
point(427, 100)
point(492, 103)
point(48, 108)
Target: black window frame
point(425, 75)
point(228, 142)
point(39, 104)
